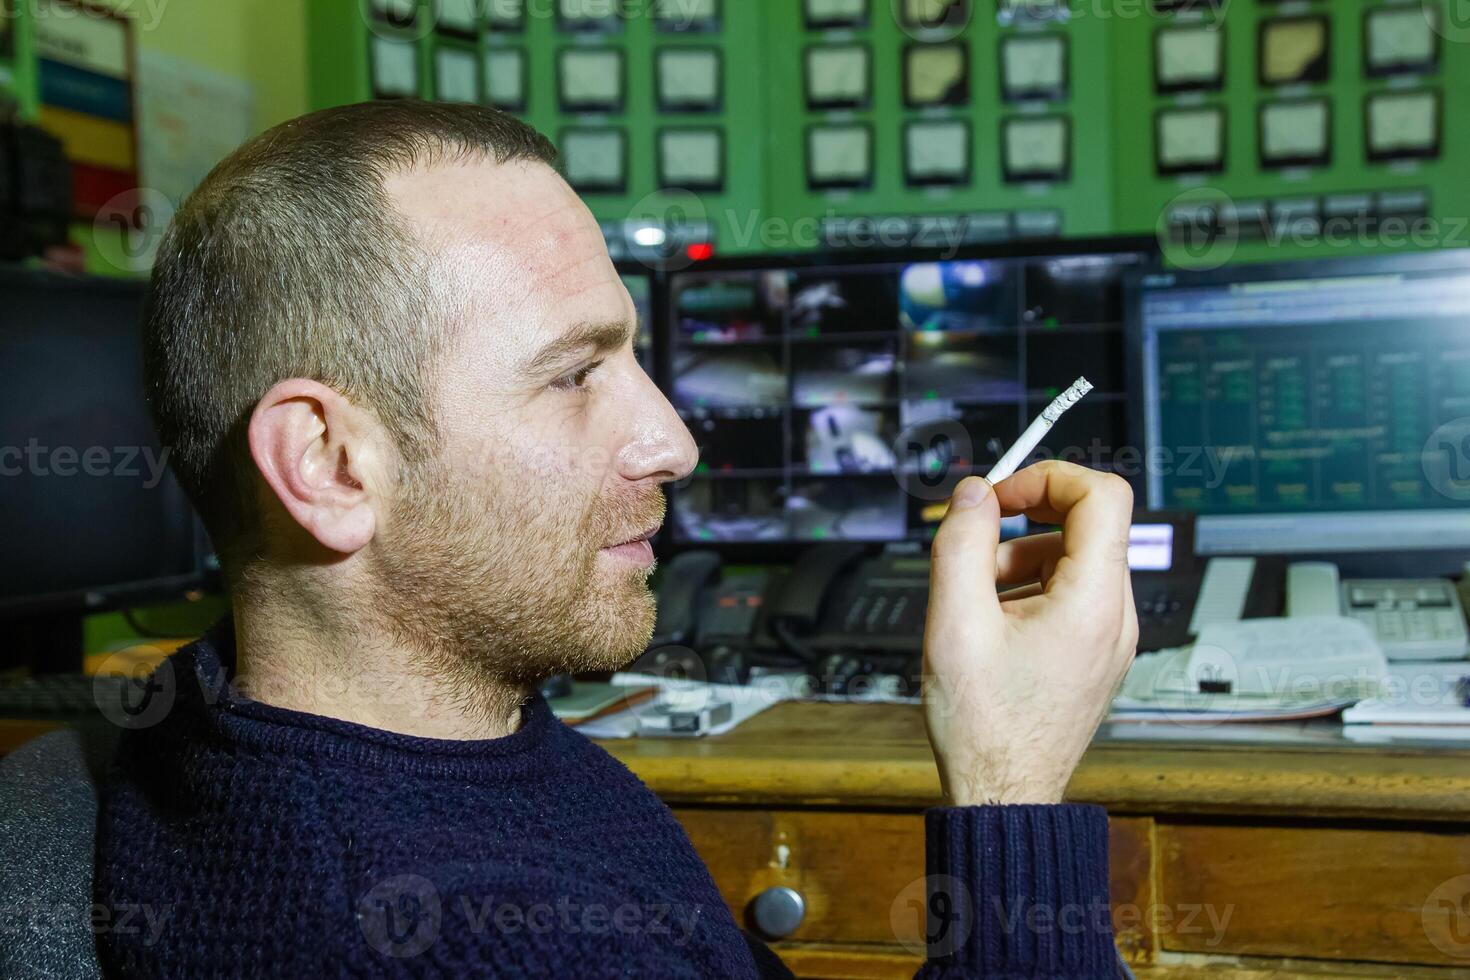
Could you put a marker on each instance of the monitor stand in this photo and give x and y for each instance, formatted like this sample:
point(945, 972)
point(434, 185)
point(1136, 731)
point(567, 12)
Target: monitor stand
point(47, 644)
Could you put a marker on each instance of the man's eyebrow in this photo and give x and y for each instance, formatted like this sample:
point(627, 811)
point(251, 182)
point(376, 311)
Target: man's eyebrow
point(602, 337)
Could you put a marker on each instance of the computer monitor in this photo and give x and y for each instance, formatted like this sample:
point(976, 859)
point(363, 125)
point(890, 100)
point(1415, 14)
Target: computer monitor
point(837, 398)
point(90, 517)
point(1313, 407)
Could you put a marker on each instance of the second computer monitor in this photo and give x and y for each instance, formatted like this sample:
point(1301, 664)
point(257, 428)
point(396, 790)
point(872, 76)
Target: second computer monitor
point(1310, 407)
point(837, 398)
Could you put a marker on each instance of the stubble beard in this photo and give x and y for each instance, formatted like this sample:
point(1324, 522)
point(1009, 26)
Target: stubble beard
point(498, 591)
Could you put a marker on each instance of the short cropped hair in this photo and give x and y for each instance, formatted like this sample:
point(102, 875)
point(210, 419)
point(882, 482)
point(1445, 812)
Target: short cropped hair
point(288, 261)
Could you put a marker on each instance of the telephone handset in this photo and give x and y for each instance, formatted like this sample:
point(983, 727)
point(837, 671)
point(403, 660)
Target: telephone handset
point(681, 581)
point(839, 597)
point(707, 615)
point(1311, 589)
point(844, 598)
point(805, 594)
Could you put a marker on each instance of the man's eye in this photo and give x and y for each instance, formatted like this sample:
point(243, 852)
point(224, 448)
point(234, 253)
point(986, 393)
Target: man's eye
point(575, 380)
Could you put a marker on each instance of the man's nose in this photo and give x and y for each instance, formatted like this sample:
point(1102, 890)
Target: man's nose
point(660, 447)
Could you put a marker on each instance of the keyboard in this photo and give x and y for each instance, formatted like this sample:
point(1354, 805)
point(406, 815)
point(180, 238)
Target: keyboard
point(72, 697)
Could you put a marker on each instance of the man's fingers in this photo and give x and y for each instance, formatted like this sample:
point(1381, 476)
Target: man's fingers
point(1028, 559)
point(962, 561)
point(1094, 509)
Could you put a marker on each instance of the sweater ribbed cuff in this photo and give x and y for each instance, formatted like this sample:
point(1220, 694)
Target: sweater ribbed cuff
point(1020, 891)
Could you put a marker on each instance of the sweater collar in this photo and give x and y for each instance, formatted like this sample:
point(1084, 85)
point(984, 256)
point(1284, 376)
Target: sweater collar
point(209, 664)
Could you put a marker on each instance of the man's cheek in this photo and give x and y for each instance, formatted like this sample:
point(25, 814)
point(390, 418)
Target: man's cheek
point(594, 464)
point(520, 453)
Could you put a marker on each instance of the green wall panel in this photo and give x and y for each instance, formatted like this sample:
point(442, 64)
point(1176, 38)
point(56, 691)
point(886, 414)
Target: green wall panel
point(1142, 197)
point(1083, 199)
point(340, 35)
point(1110, 101)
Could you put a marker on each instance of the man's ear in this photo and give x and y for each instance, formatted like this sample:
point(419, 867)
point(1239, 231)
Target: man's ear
point(321, 456)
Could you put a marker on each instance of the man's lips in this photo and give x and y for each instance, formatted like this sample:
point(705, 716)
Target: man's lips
point(644, 536)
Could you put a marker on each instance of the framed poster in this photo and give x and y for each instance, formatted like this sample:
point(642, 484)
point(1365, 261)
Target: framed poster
point(85, 72)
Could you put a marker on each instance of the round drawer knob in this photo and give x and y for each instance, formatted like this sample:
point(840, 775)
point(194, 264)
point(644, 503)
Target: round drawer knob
point(778, 911)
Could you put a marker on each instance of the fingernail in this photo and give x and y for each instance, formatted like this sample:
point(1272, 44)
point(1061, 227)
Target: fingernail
point(970, 492)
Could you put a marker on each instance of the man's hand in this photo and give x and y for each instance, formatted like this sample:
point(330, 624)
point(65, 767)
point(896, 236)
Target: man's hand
point(1016, 683)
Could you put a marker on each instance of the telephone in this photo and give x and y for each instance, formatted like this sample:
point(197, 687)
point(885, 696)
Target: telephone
point(842, 597)
point(842, 610)
point(857, 600)
point(1413, 619)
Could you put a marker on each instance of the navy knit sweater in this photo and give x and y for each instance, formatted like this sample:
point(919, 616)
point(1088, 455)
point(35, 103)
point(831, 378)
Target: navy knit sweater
point(266, 842)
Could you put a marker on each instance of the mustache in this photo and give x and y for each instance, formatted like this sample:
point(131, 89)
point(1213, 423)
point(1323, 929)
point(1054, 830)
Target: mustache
point(628, 517)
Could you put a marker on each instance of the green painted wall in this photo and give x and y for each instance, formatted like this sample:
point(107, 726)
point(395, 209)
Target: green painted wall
point(258, 41)
point(261, 42)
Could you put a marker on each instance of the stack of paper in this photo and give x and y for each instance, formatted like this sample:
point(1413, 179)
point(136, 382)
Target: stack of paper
point(746, 701)
point(1156, 689)
point(1416, 694)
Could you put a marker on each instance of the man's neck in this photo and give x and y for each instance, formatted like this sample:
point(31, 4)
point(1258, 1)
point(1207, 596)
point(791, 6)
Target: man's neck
point(364, 677)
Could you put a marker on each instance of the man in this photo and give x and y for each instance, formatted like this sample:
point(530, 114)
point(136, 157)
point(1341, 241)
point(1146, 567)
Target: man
point(394, 363)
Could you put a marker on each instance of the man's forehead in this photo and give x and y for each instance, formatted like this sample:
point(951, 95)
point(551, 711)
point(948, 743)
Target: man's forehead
point(524, 236)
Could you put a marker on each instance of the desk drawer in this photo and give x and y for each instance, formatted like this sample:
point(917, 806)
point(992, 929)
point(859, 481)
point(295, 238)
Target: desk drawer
point(860, 873)
point(849, 868)
point(1397, 896)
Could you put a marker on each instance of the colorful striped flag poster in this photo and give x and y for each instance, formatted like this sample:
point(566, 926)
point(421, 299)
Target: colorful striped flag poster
point(85, 71)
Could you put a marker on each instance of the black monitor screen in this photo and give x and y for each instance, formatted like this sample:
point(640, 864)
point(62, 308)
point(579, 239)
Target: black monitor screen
point(87, 508)
point(839, 401)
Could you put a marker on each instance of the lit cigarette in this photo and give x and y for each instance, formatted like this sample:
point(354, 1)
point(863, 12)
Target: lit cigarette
point(1031, 438)
point(1016, 455)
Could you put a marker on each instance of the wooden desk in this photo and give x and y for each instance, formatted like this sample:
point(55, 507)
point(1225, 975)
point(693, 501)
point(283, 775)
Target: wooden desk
point(1307, 857)
point(1249, 860)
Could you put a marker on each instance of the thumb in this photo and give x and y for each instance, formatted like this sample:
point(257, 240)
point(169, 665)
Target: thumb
point(962, 565)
